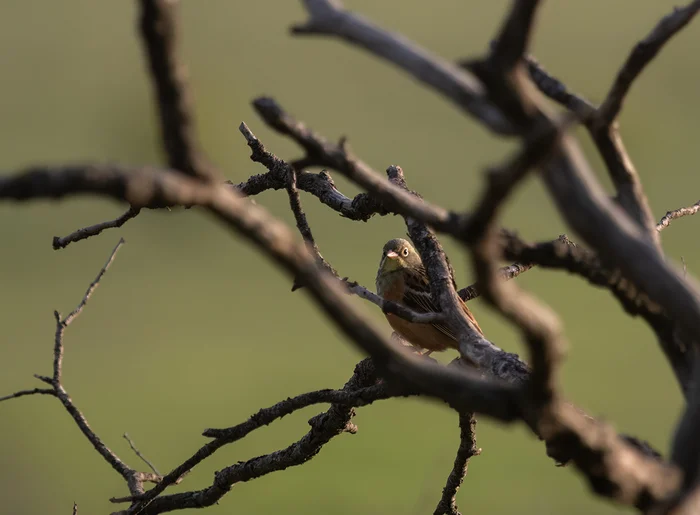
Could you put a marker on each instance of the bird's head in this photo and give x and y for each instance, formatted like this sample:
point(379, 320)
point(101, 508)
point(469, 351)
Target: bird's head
point(398, 254)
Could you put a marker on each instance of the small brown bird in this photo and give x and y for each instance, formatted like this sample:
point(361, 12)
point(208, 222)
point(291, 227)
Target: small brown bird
point(402, 278)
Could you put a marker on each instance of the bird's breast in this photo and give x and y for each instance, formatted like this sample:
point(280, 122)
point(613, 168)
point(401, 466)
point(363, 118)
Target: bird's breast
point(390, 286)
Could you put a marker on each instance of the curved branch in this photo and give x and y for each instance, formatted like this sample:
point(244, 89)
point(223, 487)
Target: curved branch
point(94, 230)
point(642, 54)
point(467, 448)
point(329, 17)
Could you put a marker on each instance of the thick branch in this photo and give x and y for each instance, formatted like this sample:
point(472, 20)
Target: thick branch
point(586, 207)
point(159, 30)
point(461, 389)
point(513, 40)
point(329, 17)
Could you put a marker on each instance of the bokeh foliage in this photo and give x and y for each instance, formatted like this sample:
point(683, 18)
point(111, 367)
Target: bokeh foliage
point(192, 329)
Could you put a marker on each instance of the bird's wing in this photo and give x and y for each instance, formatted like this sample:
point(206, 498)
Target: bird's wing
point(417, 297)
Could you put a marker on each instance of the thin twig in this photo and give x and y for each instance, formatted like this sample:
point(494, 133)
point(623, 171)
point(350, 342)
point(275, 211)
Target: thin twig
point(93, 286)
point(506, 273)
point(467, 449)
point(394, 308)
point(60, 392)
point(641, 56)
point(22, 393)
point(336, 420)
point(138, 453)
point(133, 478)
point(94, 230)
point(393, 198)
point(354, 398)
point(678, 213)
point(303, 225)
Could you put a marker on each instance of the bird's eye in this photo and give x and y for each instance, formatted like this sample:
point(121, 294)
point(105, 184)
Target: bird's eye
point(404, 252)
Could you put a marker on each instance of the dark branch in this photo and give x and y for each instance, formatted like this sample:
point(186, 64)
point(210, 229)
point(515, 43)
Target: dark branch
point(329, 17)
point(94, 230)
point(641, 56)
point(512, 42)
point(34, 391)
point(159, 30)
point(557, 90)
point(321, 152)
point(537, 323)
point(361, 387)
point(355, 398)
point(467, 449)
point(506, 273)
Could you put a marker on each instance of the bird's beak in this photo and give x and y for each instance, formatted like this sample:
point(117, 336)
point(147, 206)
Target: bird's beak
point(392, 255)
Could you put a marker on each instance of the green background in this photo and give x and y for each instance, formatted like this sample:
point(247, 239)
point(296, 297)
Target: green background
point(192, 328)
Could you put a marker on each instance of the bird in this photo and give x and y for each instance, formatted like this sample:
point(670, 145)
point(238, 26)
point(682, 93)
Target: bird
point(402, 278)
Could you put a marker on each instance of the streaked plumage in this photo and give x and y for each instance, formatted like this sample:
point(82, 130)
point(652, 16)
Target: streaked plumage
point(402, 278)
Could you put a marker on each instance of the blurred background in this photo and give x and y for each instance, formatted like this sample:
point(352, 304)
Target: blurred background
point(191, 328)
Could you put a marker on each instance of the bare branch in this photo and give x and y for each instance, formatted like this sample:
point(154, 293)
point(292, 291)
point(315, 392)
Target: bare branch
point(557, 90)
point(461, 389)
point(606, 461)
point(163, 188)
point(93, 286)
point(355, 398)
point(361, 387)
point(467, 449)
point(138, 453)
point(133, 478)
point(537, 323)
point(678, 213)
point(61, 324)
point(579, 261)
point(641, 56)
point(303, 226)
point(34, 391)
point(329, 17)
point(506, 273)
point(586, 207)
point(512, 42)
point(94, 230)
point(600, 121)
point(395, 308)
point(159, 30)
point(393, 198)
